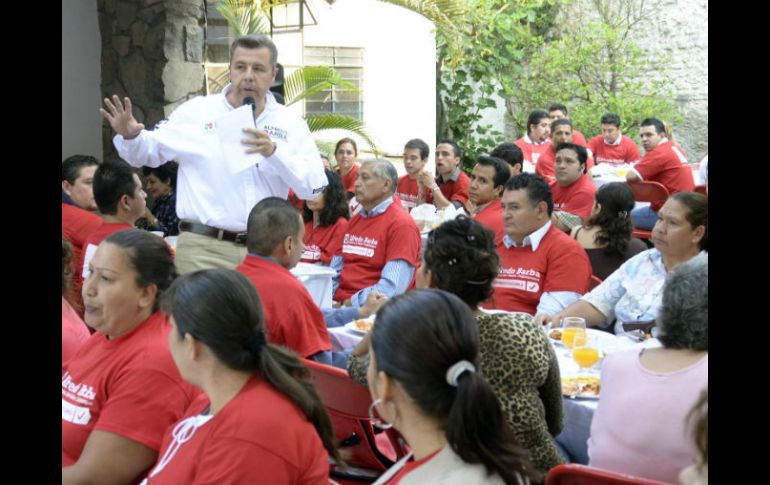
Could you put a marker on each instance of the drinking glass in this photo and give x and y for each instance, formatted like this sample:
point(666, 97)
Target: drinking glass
point(571, 326)
point(585, 351)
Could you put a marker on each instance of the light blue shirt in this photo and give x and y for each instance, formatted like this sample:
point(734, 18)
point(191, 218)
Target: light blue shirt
point(551, 301)
point(395, 277)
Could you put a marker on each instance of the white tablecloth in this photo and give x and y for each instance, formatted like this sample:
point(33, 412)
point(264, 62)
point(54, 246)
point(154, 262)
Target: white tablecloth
point(343, 338)
point(318, 281)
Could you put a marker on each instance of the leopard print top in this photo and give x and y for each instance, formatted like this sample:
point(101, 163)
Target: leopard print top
point(521, 367)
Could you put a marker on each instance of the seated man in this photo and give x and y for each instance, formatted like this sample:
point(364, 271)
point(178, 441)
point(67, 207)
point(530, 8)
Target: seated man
point(409, 189)
point(558, 111)
point(536, 141)
point(121, 200)
point(381, 248)
point(573, 191)
point(487, 183)
point(662, 162)
point(612, 146)
point(561, 132)
point(451, 185)
point(274, 241)
point(512, 155)
point(540, 266)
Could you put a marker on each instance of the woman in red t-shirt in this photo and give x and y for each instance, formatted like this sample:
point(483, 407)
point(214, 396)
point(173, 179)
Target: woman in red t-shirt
point(326, 221)
point(345, 153)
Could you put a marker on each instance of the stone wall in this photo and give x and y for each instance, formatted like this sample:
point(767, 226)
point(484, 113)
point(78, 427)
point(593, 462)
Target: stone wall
point(152, 52)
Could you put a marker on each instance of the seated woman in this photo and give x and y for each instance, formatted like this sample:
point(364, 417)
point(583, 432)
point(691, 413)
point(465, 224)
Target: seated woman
point(658, 387)
point(160, 185)
point(121, 390)
point(345, 153)
point(326, 221)
point(73, 330)
point(606, 236)
point(424, 381)
point(516, 357)
point(633, 292)
point(259, 419)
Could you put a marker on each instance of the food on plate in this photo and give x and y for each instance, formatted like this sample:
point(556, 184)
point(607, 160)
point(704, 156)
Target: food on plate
point(555, 334)
point(580, 385)
point(363, 325)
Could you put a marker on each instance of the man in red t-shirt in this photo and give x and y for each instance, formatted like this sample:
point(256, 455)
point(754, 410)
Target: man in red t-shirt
point(541, 267)
point(663, 162)
point(612, 146)
point(487, 183)
point(274, 241)
point(512, 155)
point(409, 190)
point(451, 185)
point(536, 141)
point(381, 247)
point(573, 191)
point(561, 132)
point(121, 200)
point(559, 112)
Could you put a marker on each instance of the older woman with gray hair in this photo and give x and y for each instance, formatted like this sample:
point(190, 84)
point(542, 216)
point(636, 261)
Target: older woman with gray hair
point(639, 426)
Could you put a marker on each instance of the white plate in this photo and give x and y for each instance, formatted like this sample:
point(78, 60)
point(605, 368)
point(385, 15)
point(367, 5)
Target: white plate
point(593, 397)
point(353, 328)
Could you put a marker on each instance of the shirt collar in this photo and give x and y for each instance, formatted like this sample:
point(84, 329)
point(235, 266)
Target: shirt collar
point(378, 209)
point(533, 239)
point(455, 175)
point(67, 199)
point(269, 98)
point(615, 143)
point(533, 142)
point(266, 258)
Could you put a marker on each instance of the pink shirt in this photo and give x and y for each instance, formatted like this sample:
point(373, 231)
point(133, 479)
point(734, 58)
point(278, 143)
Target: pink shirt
point(639, 426)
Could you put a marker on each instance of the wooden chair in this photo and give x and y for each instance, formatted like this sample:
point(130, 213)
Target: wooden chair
point(646, 191)
point(574, 474)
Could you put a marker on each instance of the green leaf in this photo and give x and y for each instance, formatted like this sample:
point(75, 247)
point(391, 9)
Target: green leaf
point(334, 121)
point(309, 80)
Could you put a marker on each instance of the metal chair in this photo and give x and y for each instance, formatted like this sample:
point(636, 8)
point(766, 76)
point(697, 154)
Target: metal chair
point(646, 191)
point(574, 474)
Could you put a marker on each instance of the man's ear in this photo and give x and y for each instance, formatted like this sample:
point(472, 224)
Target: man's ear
point(66, 187)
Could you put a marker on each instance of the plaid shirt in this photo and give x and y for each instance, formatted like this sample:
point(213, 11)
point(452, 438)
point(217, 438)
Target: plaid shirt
point(165, 211)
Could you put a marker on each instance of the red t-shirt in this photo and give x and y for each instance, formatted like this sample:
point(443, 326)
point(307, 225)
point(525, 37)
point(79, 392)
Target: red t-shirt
point(260, 436)
point(373, 241)
point(532, 152)
point(73, 333)
point(625, 152)
point(96, 237)
point(349, 180)
point(407, 192)
point(491, 217)
point(666, 164)
point(76, 225)
point(452, 190)
point(295, 201)
point(579, 139)
point(576, 198)
point(559, 264)
point(128, 386)
point(291, 316)
point(546, 163)
point(323, 242)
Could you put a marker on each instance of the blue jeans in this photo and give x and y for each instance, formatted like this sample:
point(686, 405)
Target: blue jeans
point(644, 218)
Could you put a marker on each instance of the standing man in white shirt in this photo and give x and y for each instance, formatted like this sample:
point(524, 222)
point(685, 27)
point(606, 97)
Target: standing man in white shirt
point(212, 203)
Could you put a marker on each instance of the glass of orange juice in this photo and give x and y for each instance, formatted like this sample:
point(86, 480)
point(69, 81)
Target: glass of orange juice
point(571, 326)
point(585, 351)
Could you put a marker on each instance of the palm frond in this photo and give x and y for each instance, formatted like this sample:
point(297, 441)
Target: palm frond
point(334, 121)
point(309, 80)
point(244, 17)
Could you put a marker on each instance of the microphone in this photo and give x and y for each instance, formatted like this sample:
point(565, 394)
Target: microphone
point(250, 100)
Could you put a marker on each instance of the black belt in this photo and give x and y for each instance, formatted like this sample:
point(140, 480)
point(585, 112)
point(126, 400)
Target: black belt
point(220, 234)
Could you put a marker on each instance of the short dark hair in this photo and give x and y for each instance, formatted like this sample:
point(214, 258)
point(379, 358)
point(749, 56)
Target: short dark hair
point(509, 152)
point(462, 259)
point(610, 119)
point(469, 411)
point(582, 153)
point(335, 202)
point(71, 166)
point(256, 41)
point(683, 318)
point(559, 122)
point(222, 309)
point(614, 217)
point(416, 143)
point(346, 140)
point(535, 117)
point(112, 180)
point(697, 213)
point(455, 146)
point(166, 173)
point(150, 257)
point(558, 107)
point(271, 221)
point(536, 186)
point(502, 172)
point(659, 126)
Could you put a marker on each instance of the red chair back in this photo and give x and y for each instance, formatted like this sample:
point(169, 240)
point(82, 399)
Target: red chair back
point(701, 189)
point(347, 404)
point(574, 474)
point(646, 191)
point(594, 282)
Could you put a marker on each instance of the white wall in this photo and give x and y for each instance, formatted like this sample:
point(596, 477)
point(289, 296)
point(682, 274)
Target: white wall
point(80, 79)
point(399, 85)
